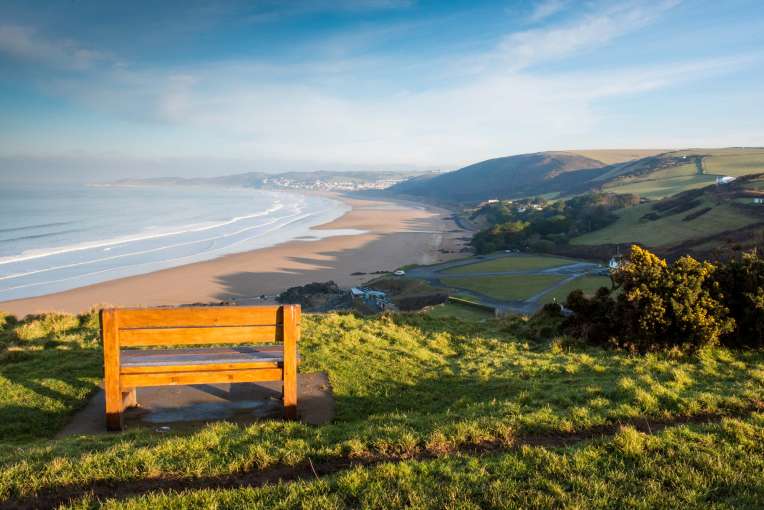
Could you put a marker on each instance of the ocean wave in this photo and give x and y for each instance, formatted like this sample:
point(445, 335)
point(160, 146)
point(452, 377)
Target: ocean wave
point(176, 261)
point(282, 217)
point(36, 254)
point(145, 252)
point(35, 227)
point(39, 236)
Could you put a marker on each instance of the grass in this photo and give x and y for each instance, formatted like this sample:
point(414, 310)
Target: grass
point(612, 156)
point(735, 163)
point(412, 383)
point(48, 367)
point(508, 288)
point(657, 188)
point(692, 467)
point(655, 185)
point(670, 229)
point(511, 263)
point(588, 284)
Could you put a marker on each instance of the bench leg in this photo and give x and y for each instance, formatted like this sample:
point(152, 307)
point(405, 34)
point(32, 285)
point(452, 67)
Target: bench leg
point(111, 385)
point(291, 333)
point(114, 408)
point(290, 396)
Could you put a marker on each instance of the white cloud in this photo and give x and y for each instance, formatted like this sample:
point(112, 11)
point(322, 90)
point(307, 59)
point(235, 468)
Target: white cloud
point(25, 44)
point(523, 49)
point(545, 9)
point(235, 111)
point(261, 111)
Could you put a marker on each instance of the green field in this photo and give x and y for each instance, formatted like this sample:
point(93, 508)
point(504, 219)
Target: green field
point(508, 288)
point(409, 386)
point(588, 284)
point(734, 162)
point(511, 263)
point(662, 183)
point(670, 229)
point(656, 188)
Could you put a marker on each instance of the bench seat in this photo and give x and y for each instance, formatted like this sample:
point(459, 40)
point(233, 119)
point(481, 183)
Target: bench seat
point(160, 360)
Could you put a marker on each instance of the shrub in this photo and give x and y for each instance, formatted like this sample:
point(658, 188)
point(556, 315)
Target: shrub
point(412, 303)
point(741, 283)
point(592, 317)
point(44, 326)
point(657, 305)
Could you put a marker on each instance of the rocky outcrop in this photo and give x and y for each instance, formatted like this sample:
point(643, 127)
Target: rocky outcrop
point(317, 297)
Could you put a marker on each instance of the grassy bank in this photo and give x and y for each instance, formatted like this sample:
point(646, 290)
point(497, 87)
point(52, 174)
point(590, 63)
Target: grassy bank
point(709, 466)
point(404, 385)
point(671, 229)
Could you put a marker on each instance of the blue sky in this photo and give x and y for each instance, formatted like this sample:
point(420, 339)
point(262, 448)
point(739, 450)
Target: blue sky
point(203, 88)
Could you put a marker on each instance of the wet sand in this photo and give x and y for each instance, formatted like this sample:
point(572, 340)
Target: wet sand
point(395, 234)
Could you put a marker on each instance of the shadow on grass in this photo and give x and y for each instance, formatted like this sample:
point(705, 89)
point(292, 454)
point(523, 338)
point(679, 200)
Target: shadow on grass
point(42, 389)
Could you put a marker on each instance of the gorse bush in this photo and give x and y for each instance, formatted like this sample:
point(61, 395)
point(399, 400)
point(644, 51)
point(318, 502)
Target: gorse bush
point(742, 281)
point(656, 305)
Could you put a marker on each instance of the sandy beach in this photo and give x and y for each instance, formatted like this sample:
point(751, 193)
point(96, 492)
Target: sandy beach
point(396, 233)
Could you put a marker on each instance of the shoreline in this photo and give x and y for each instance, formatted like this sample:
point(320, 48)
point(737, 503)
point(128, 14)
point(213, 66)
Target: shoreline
point(394, 233)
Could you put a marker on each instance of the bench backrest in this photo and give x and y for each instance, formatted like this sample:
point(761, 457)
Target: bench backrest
point(199, 325)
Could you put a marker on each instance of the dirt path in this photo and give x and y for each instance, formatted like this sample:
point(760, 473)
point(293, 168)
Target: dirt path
point(699, 165)
point(55, 496)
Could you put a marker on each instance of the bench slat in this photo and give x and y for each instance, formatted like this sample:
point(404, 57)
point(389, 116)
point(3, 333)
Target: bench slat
point(199, 335)
point(200, 377)
point(183, 360)
point(199, 316)
point(208, 367)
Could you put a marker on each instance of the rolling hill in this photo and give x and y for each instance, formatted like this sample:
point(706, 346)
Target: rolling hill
point(654, 175)
point(507, 177)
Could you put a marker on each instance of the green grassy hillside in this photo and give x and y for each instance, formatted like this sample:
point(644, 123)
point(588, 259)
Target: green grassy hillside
point(692, 215)
point(674, 172)
point(632, 228)
point(430, 413)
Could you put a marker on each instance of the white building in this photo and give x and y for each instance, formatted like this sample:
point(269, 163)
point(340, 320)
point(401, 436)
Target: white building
point(724, 179)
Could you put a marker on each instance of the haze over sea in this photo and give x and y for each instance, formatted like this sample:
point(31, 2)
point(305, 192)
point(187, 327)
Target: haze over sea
point(54, 238)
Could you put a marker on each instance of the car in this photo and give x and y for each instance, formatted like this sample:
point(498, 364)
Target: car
point(399, 272)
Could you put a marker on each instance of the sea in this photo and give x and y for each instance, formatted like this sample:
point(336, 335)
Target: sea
point(58, 237)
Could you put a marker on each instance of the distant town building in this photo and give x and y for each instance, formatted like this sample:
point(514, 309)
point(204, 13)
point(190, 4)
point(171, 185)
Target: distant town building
point(373, 298)
point(758, 200)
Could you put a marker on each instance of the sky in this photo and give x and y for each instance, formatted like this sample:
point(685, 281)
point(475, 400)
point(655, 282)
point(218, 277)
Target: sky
point(118, 89)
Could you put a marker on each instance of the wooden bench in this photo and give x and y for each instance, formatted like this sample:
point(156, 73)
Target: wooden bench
point(128, 369)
